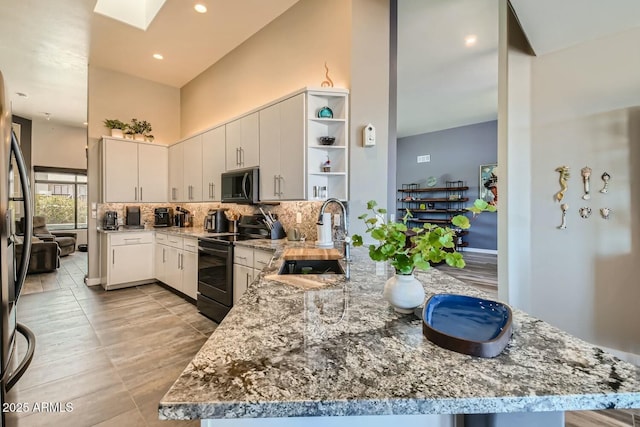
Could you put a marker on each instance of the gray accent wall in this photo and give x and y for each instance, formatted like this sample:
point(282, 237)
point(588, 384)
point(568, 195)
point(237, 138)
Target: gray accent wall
point(456, 154)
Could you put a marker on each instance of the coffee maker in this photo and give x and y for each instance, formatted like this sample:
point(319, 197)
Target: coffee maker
point(182, 218)
point(216, 221)
point(132, 217)
point(162, 217)
point(110, 220)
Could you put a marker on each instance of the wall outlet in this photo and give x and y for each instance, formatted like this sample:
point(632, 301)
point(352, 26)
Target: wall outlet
point(424, 159)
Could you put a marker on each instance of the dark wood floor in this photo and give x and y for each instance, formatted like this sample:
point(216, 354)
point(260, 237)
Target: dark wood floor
point(482, 271)
point(114, 354)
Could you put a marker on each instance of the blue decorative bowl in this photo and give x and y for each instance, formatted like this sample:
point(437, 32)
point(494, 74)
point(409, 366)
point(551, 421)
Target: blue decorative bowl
point(467, 325)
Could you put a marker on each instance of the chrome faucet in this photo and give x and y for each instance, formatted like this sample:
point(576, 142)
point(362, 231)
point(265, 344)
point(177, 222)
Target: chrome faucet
point(347, 239)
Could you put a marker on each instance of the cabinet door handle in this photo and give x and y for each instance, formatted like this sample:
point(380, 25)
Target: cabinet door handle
point(213, 194)
point(280, 179)
point(113, 257)
point(164, 259)
point(241, 156)
point(140, 193)
point(135, 193)
point(237, 156)
point(275, 180)
point(247, 279)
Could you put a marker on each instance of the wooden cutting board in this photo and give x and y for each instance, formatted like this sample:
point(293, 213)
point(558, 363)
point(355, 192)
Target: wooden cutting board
point(311, 253)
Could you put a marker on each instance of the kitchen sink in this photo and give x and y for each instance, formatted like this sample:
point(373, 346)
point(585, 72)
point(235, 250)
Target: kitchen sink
point(311, 266)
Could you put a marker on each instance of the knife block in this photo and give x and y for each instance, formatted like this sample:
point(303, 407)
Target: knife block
point(277, 232)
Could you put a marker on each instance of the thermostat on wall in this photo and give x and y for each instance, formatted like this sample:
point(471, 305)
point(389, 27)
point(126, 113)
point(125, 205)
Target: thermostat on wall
point(368, 136)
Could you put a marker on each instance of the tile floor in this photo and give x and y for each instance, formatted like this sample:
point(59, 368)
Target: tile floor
point(112, 355)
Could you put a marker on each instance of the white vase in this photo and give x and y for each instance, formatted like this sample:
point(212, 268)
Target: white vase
point(404, 292)
point(116, 133)
point(138, 137)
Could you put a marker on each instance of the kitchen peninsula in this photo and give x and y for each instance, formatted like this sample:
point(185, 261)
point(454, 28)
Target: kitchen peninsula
point(341, 350)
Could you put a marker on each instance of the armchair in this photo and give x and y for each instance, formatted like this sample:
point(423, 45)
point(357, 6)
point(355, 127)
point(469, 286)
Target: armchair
point(65, 240)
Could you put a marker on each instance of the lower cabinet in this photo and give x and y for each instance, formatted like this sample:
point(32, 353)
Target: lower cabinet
point(128, 258)
point(247, 265)
point(176, 263)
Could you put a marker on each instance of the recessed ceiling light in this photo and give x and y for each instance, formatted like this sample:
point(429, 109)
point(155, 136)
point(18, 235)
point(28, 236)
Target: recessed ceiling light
point(85, 123)
point(200, 8)
point(47, 116)
point(470, 40)
point(158, 56)
point(22, 94)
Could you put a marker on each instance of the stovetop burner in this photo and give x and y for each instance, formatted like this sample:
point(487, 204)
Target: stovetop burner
point(228, 238)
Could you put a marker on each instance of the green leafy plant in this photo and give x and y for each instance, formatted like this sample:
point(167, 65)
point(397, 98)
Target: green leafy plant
point(115, 124)
point(416, 247)
point(142, 127)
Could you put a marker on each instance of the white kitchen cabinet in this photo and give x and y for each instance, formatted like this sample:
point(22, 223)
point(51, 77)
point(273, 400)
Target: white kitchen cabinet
point(133, 171)
point(127, 260)
point(282, 144)
point(176, 173)
point(178, 263)
point(213, 163)
point(192, 169)
point(247, 264)
point(153, 161)
point(189, 265)
point(242, 142)
point(242, 278)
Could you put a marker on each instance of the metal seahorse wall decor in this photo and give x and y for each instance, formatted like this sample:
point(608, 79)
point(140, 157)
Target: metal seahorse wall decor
point(328, 82)
point(564, 176)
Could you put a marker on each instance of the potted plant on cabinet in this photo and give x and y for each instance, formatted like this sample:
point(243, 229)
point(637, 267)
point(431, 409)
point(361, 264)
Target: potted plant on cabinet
point(140, 128)
point(410, 248)
point(116, 126)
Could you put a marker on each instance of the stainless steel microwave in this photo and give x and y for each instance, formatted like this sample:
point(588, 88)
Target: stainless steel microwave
point(241, 186)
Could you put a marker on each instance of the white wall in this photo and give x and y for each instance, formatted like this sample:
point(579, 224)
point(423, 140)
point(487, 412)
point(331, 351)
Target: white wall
point(369, 166)
point(58, 145)
point(585, 111)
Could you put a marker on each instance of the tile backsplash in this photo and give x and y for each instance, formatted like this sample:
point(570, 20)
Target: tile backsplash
point(286, 212)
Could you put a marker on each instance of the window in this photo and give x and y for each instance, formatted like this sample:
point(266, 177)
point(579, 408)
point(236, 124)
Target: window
point(60, 196)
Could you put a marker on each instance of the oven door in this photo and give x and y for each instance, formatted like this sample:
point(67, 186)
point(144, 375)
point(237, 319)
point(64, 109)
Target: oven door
point(215, 271)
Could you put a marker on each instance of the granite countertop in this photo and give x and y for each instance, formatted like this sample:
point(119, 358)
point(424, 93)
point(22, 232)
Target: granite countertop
point(340, 349)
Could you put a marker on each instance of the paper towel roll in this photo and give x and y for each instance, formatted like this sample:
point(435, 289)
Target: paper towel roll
point(324, 231)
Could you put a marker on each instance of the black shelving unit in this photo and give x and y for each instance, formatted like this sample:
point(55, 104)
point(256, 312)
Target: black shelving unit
point(435, 205)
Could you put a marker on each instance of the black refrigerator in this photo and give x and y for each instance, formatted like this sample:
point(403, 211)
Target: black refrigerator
point(12, 274)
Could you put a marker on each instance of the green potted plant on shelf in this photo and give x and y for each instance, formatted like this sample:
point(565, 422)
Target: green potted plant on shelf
point(116, 126)
point(408, 248)
point(140, 128)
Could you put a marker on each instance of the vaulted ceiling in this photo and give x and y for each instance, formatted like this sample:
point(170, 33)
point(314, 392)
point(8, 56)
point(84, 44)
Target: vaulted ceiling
point(45, 48)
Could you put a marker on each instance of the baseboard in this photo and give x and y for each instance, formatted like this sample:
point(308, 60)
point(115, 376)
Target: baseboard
point(92, 281)
point(482, 251)
point(632, 358)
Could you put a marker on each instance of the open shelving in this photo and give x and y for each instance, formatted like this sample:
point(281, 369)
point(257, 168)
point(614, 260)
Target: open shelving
point(435, 205)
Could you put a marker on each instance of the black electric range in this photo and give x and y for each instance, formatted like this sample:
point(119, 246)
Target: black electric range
point(215, 266)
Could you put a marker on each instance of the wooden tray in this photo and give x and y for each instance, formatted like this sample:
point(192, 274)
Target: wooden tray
point(310, 253)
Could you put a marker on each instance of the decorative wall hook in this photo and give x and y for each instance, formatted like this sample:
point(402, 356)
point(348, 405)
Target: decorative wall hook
point(605, 177)
point(605, 212)
point(586, 173)
point(564, 175)
point(565, 208)
point(585, 212)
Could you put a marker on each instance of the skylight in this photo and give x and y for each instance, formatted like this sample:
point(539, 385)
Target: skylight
point(137, 13)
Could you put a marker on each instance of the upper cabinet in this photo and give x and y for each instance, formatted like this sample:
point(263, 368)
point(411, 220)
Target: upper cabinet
point(327, 160)
point(192, 169)
point(242, 142)
point(213, 159)
point(176, 172)
point(282, 146)
point(133, 171)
